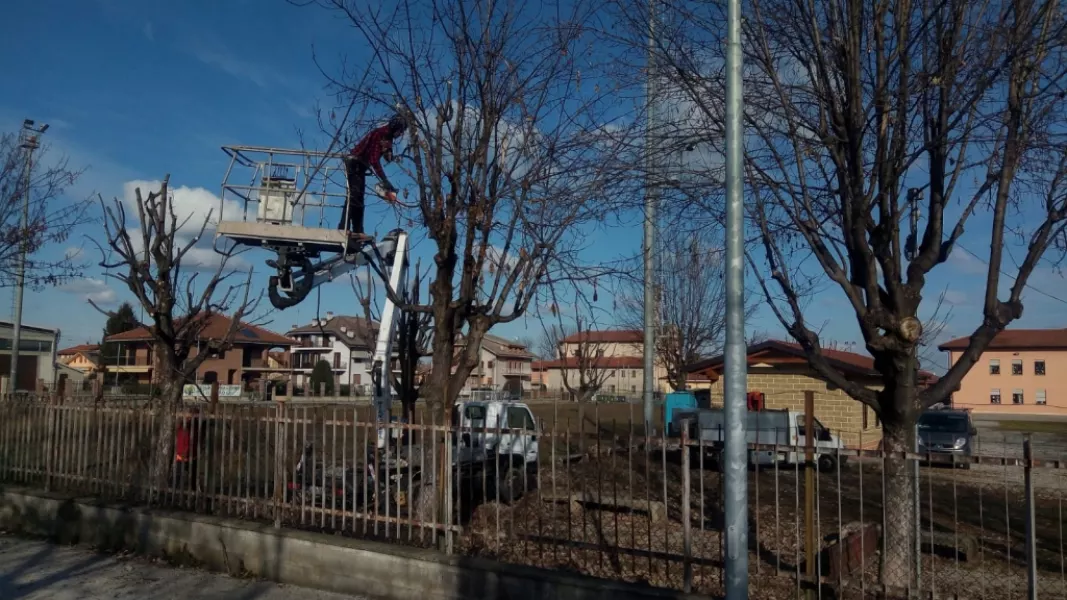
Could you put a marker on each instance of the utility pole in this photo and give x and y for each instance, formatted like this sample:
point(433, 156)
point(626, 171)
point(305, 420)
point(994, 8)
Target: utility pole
point(650, 222)
point(28, 141)
point(736, 367)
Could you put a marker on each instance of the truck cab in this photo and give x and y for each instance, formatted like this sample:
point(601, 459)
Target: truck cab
point(501, 436)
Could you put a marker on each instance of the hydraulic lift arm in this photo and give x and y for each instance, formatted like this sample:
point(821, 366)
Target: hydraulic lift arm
point(290, 287)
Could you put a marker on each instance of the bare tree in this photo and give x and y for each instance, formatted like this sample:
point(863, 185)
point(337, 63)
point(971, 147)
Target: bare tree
point(876, 132)
point(691, 311)
point(44, 219)
point(413, 330)
point(506, 154)
point(584, 361)
point(147, 259)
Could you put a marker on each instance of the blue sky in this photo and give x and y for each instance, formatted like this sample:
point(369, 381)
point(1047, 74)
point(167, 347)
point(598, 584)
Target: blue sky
point(133, 91)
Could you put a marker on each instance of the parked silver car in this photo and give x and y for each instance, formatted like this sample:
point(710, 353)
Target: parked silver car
point(947, 432)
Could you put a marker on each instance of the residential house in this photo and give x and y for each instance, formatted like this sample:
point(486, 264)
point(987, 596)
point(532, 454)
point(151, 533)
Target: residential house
point(504, 365)
point(779, 374)
point(248, 361)
point(84, 357)
point(37, 356)
point(346, 343)
point(619, 352)
point(1019, 373)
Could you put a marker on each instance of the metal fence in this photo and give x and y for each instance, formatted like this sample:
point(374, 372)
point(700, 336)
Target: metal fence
point(605, 498)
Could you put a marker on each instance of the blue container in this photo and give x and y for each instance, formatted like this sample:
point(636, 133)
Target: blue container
point(674, 402)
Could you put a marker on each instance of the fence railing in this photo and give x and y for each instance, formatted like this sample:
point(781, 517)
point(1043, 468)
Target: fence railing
point(598, 495)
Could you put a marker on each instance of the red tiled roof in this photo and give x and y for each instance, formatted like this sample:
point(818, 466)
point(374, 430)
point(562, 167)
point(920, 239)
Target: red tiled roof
point(87, 348)
point(848, 362)
point(603, 362)
point(1016, 339)
point(609, 336)
point(215, 328)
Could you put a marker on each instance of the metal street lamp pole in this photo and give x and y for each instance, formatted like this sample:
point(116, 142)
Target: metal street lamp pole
point(736, 368)
point(28, 141)
point(650, 224)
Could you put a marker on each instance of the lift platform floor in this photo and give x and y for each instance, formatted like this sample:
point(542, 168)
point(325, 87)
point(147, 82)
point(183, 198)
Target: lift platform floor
point(269, 234)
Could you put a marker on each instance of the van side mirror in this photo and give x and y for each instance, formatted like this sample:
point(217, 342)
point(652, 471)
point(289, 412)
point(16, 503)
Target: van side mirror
point(974, 430)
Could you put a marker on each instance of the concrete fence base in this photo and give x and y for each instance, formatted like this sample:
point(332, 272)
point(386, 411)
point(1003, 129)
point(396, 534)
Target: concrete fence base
point(327, 562)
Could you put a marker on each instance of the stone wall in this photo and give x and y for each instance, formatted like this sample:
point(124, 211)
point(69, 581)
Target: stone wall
point(784, 388)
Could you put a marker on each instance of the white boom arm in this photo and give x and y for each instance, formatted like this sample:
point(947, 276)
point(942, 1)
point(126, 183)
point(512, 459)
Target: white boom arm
point(382, 359)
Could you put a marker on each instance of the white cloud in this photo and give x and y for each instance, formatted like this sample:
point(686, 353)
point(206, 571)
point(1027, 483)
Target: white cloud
point(91, 289)
point(73, 253)
point(217, 55)
point(955, 297)
point(495, 259)
point(963, 262)
point(191, 206)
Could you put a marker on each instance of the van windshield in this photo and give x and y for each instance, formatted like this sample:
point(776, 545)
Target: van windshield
point(943, 423)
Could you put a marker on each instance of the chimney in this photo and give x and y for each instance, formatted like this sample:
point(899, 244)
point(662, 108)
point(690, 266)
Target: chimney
point(351, 334)
point(329, 316)
point(344, 329)
point(314, 322)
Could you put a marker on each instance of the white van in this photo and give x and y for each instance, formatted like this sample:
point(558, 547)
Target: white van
point(764, 427)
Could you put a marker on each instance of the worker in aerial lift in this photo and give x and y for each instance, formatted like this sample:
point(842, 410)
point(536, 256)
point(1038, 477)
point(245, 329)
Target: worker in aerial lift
point(367, 155)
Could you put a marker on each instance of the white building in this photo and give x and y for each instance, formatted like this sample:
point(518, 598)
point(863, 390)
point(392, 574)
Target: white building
point(505, 365)
point(346, 343)
point(37, 355)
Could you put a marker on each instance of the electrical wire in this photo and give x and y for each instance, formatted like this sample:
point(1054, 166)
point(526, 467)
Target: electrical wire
point(1013, 278)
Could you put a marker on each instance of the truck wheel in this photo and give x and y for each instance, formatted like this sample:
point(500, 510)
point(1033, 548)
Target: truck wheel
point(512, 481)
point(827, 462)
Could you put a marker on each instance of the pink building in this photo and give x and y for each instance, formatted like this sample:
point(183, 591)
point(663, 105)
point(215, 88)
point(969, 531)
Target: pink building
point(1023, 371)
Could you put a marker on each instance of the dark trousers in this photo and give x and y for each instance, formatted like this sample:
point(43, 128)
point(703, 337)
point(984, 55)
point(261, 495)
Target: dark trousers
point(357, 187)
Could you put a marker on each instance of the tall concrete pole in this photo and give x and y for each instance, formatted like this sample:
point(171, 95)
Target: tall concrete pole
point(736, 368)
point(28, 142)
point(650, 221)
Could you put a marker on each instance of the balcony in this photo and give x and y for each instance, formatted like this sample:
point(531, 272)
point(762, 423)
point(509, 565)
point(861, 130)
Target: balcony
point(131, 364)
point(312, 344)
point(258, 364)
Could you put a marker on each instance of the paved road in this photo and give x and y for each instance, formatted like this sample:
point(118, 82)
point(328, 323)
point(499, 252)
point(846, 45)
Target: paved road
point(33, 570)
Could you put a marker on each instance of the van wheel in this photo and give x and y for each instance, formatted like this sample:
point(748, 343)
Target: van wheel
point(512, 480)
point(827, 462)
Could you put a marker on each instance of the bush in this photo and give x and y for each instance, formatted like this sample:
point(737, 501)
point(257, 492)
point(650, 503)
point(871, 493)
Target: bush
point(321, 374)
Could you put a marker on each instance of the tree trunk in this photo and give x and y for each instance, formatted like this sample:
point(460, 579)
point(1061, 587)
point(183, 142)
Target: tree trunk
point(163, 449)
point(899, 402)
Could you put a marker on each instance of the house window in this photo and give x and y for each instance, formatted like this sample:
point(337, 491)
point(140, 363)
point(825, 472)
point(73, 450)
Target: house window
point(600, 353)
point(490, 364)
point(633, 388)
point(633, 374)
point(1039, 367)
point(337, 360)
point(994, 366)
point(865, 409)
point(1017, 396)
point(994, 396)
point(1017, 367)
point(1039, 397)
